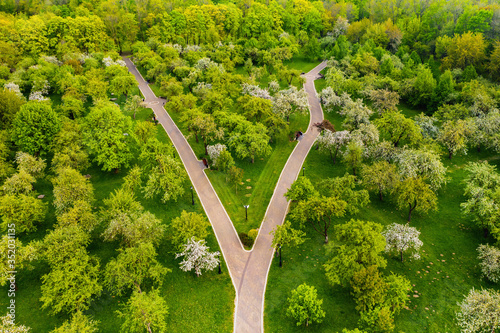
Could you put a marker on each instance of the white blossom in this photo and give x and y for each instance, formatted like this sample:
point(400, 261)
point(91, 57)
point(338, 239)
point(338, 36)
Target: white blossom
point(329, 99)
point(37, 96)
point(289, 100)
point(368, 134)
point(332, 142)
point(13, 87)
point(215, 150)
point(427, 126)
point(355, 112)
point(402, 238)
point(197, 257)
point(109, 62)
point(256, 91)
point(201, 89)
point(479, 311)
point(412, 163)
point(52, 60)
point(384, 151)
point(340, 27)
point(490, 262)
point(194, 48)
point(274, 86)
point(206, 63)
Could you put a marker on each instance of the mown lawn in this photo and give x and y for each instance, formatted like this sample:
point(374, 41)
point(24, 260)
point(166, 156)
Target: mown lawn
point(447, 271)
point(204, 304)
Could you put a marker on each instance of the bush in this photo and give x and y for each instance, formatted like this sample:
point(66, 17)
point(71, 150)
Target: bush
point(245, 239)
point(252, 234)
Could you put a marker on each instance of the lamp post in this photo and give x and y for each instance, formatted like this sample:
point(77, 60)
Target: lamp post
point(173, 150)
point(246, 212)
point(220, 271)
point(192, 196)
point(303, 171)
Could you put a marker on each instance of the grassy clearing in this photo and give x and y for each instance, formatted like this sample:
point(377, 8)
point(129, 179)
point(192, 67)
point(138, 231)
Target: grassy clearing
point(204, 304)
point(447, 271)
point(301, 63)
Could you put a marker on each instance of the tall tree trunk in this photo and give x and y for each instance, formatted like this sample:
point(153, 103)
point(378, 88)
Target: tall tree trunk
point(478, 148)
point(401, 256)
point(485, 232)
point(450, 154)
point(326, 238)
point(380, 195)
point(196, 136)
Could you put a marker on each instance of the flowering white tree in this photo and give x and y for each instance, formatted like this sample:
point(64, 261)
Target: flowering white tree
point(366, 133)
point(412, 163)
point(109, 62)
point(355, 112)
point(197, 257)
point(256, 91)
point(13, 87)
point(329, 99)
point(332, 142)
point(402, 238)
point(427, 126)
point(37, 96)
point(340, 27)
point(479, 311)
point(490, 262)
point(215, 150)
point(289, 101)
point(202, 89)
point(274, 86)
point(206, 63)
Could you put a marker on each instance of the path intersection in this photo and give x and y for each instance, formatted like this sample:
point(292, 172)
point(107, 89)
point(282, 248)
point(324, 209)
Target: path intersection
point(248, 269)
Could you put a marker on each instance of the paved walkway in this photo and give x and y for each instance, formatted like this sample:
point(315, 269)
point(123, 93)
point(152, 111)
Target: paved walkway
point(248, 269)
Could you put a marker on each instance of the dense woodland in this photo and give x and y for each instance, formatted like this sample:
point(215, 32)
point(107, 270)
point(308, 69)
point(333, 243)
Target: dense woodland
point(99, 203)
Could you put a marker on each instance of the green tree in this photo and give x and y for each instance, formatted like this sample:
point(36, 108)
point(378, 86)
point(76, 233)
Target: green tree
point(107, 135)
point(10, 104)
point(144, 311)
point(380, 176)
point(301, 189)
point(188, 225)
point(25, 254)
point(34, 128)
point(135, 228)
point(165, 179)
point(414, 193)
point(134, 268)
point(80, 215)
point(399, 128)
point(320, 212)
point(71, 187)
point(353, 156)
point(22, 211)
point(249, 140)
point(235, 176)
point(69, 150)
point(368, 288)
point(423, 87)
point(358, 245)
point(71, 286)
point(19, 183)
point(61, 244)
point(304, 305)
point(454, 136)
point(344, 187)
point(79, 323)
point(285, 235)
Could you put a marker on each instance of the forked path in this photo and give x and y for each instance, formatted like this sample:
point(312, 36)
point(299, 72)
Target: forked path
point(248, 269)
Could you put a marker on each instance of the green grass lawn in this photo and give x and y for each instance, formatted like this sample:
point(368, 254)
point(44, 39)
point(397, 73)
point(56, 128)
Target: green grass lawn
point(301, 63)
point(204, 304)
point(447, 271)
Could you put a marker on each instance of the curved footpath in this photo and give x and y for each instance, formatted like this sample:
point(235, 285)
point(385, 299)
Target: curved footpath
point(248, 269)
